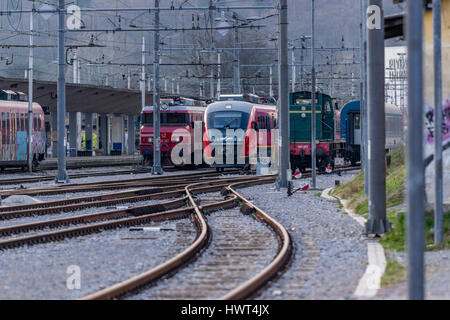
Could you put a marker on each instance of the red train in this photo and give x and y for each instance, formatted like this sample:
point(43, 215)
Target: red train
point(14, 130)
point(176, 113)
point(235, 130)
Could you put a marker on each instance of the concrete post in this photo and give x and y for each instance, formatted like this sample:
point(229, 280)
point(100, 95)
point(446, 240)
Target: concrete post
point(73, 131)
point(88, 131)
point(54, 128)
point(104, 133)
point(131, 134)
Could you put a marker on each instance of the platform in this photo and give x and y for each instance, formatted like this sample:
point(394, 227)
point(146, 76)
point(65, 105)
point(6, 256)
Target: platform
point(96, 161)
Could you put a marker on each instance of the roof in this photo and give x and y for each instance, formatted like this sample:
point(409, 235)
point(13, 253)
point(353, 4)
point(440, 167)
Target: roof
point(19, 105)
point(241, 106)
point(354, 106)
point(176, 108)
point(81, 97)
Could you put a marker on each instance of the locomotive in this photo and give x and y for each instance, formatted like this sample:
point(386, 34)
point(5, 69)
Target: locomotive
point(234, 127)
point(14, 130)
point(338, 133)
point(175, 113)
point(300, 109)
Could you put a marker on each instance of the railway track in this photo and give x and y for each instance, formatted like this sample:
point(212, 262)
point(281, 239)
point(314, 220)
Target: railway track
point(155, 181)
point(187, 204)
point(51, 177)
point(243, 285)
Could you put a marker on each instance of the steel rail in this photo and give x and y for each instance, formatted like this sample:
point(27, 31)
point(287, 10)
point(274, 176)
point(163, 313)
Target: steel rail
point(250, 287)
point(149, 212)
point(108, 185)
point(164, 268)
point(157, 272)
point(73, 176)
point(156, 193)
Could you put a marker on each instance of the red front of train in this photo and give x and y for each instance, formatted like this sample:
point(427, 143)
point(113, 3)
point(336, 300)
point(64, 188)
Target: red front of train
point(176, 116)
point(235, 131)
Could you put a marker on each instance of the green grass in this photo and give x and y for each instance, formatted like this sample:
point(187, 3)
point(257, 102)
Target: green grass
point(394, 273)
point(395, 240)
point(353, 191)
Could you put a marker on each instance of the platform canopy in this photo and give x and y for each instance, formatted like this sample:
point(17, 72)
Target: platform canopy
point(81, 97)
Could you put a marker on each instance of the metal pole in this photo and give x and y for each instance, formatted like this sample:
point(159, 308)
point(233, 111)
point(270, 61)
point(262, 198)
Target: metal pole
point(156, 169)
point(218, 76)
point(364, 109)
point(438, 219)
point(75, 66)
point(283, 76)
point(416, 171)
point(61, 175)
point(361, 81)
point(271, 83)
point(377, 223)
point(211, 56)
point(313, 100)
point(30, 100)
point(237, 76)
point(143, 75)
point(293, 70)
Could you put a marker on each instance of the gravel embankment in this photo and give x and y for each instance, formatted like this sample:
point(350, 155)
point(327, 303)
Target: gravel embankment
point(330, 255)
point(40, 271)
point(437, 279)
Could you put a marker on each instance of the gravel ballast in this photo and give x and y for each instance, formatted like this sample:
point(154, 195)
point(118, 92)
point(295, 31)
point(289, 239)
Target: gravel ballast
point(40, 271)
point(330, 255)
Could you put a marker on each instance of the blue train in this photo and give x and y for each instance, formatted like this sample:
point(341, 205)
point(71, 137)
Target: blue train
point(351, 126)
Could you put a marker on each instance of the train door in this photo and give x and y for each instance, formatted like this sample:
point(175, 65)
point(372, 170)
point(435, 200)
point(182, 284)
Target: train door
point(21, 138)
point(357, 128)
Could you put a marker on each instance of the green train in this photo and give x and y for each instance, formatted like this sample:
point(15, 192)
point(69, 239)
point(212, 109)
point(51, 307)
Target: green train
point(327, 145)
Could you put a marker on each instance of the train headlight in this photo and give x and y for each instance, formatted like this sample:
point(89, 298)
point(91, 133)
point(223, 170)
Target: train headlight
point(176, 139)
point(150, 140)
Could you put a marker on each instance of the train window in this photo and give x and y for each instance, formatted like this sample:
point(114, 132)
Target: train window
point(3, 128)
point(147, 118)
point(39, 122)
point(357, 122)
point(8, 129)
point(226, 120)
point(176, 118)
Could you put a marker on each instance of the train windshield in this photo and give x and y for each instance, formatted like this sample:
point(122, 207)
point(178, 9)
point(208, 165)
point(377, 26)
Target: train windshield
point(166, 118)
point(174, 118)
point(228, 120)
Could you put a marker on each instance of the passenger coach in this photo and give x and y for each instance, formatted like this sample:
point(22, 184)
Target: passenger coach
point(14, 132)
